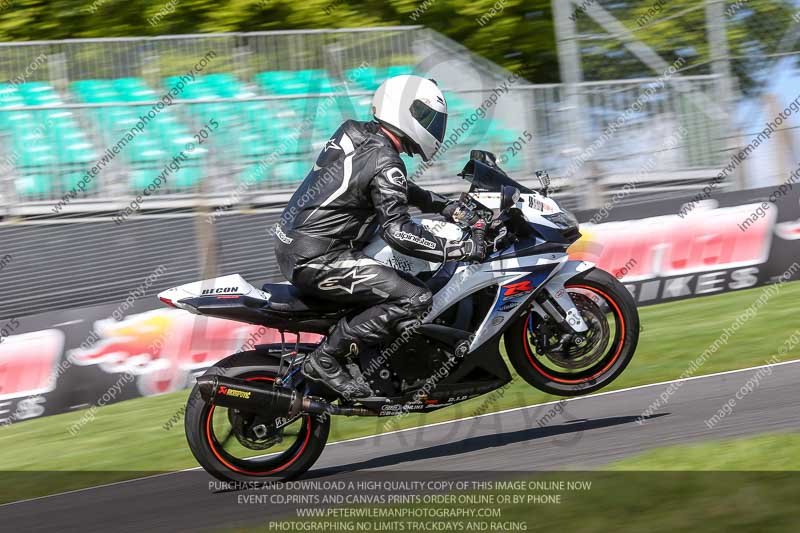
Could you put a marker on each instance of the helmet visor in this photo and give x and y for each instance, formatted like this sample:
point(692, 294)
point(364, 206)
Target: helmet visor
point(433, 121)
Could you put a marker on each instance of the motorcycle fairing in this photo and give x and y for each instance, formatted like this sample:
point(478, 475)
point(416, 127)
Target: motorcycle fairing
point(544, 271)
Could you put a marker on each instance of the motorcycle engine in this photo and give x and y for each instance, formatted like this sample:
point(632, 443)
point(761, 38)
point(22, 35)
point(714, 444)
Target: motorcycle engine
point(414, 362)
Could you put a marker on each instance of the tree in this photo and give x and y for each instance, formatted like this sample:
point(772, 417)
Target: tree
point(517, 34)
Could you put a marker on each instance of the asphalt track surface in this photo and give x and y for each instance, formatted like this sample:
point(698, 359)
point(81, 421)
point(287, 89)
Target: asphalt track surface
point(588, 432)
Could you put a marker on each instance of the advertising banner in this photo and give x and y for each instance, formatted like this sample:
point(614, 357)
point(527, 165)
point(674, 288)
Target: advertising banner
point(74, 359)
point(663, 251)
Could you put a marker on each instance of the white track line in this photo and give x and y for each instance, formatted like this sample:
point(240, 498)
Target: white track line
point(563, 400)
point(417, 428)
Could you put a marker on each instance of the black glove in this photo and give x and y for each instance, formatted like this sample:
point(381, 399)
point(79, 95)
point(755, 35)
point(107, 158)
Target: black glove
point(458, 212)
point(473, 248)
point(450, 209)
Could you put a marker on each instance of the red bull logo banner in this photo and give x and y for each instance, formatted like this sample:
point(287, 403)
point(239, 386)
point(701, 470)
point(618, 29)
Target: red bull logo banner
point(732, 241)
point(69, 364)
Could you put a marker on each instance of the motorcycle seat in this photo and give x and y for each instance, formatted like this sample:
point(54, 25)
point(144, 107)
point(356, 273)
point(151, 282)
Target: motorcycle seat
point(287, 298)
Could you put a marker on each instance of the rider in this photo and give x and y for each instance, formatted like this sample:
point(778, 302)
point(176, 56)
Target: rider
point(358, 185)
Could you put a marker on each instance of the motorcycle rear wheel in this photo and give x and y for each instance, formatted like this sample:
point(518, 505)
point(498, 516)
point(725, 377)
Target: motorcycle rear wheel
point(234, 455)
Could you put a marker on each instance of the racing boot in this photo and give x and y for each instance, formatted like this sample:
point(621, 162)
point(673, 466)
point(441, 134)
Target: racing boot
point(325, 364)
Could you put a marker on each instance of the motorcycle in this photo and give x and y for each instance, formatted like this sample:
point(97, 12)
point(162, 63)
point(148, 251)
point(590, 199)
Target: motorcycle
point(568, 328)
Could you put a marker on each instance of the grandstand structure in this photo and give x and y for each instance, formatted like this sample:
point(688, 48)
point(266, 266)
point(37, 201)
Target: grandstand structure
point(279, 94)
point(259, 106)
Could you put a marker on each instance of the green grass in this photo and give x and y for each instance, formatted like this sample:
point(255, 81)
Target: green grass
point(770, 452)
point(128, 437)
point(746, 484)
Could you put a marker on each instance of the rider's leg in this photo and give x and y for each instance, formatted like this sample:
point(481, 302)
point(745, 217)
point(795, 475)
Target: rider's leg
point(352, 278)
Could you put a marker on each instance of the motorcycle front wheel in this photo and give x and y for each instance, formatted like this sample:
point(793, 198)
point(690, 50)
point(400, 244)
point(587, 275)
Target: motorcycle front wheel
point(597, 358)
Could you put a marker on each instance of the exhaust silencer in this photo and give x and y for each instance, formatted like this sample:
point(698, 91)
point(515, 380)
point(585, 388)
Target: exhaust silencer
point(248, 396)
point(251, 397)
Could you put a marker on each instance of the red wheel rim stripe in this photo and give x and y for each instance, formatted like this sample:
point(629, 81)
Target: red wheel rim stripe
point(543, 372)
point(240, 470)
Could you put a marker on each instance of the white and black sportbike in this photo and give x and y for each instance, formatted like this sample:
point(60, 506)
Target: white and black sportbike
point(568, 329)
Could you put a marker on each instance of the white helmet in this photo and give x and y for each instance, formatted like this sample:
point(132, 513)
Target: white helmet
point(415, 108)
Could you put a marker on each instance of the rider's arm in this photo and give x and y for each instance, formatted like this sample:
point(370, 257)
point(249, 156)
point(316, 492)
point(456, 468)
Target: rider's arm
point(390, 196)
point(424, 200)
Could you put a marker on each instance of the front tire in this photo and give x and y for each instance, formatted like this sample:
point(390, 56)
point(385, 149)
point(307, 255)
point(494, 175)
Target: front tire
point(600, 295)
point(308, 437)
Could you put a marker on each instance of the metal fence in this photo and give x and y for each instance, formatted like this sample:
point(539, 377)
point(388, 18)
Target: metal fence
point(243, 54)
point(749, 46)
point(528, 126)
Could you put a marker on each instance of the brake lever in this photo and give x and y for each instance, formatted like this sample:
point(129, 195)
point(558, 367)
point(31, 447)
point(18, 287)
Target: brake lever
point(499, 238)
point(503, 238)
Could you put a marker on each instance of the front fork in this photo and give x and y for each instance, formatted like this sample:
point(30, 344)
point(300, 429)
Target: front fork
point(554, 301)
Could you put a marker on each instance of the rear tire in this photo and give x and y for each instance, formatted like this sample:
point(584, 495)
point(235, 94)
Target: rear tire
point(597, 285)
point(199, 426)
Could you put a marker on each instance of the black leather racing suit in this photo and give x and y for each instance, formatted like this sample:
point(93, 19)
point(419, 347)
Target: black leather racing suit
point(359, 184)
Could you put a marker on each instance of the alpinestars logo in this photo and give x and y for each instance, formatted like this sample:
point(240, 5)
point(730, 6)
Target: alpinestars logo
point(281, 235)
point(331, 144)
point(396, 176)
point(346, 283)
point(410, 237)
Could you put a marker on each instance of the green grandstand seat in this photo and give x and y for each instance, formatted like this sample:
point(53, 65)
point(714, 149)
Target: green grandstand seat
point(145, 151)
point(6, 88)
point(101, 96)
point(226, 86)
point(90, 85)
point(253, 145)
point(129, 84)
point(296, 82)
point(62, 117)
point(16, 118)
point(11, 100)
point(68, 180)
point(251, 174)
point(139, 179)
point(37, 155)
point(412, 163)
point(33, 184)
point(173, 133)
point(366, 77)
point(290, 172)
point(36, 87)
point(140, 95)
point(186, 177)
point(43, 99)
point(279, 173)
point(362, 107)
point(289, 146)
point(79, 152)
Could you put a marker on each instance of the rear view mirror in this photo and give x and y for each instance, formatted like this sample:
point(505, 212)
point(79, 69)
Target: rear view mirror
point(508, 197)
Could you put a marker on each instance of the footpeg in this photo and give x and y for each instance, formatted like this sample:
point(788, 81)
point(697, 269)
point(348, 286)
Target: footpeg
point(461, 349)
